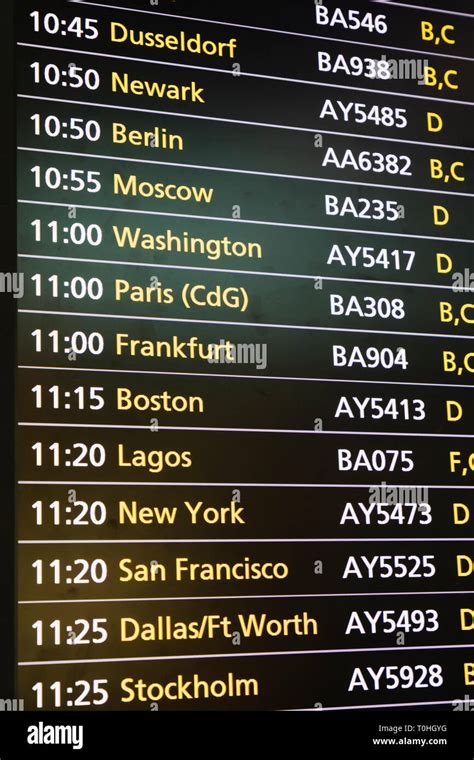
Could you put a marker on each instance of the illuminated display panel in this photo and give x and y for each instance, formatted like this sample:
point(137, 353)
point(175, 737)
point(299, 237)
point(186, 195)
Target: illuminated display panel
point(244, 392)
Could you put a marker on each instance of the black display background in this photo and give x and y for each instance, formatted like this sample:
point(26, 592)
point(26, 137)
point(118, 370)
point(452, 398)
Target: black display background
point(7, 305)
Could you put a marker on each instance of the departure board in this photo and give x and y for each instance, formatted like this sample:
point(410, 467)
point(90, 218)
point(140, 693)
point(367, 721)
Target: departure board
point(244, 356)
